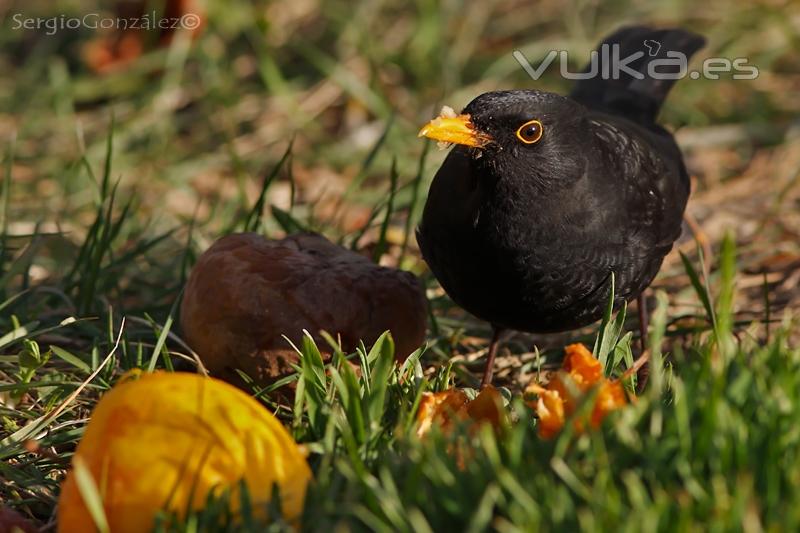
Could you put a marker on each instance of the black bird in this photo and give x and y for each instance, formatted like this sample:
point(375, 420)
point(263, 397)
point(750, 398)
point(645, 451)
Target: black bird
point(544, 197)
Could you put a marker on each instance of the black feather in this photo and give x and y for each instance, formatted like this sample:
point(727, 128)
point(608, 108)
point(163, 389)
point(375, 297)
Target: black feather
point(527, 236)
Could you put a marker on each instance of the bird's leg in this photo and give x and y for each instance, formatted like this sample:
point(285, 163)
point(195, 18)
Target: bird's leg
point(644, 370)
point(641, 306)
point(489, 368)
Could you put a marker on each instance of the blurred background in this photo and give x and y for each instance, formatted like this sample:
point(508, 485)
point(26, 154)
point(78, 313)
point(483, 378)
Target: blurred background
point(127, 152)
point(202, 115)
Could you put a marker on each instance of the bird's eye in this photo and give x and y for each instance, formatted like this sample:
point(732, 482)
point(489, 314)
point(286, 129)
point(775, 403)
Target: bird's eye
point(530, 132)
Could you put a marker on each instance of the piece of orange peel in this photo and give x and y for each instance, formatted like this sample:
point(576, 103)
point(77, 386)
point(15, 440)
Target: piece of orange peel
point(446, 112)
point(445, 409)
point(557, 400)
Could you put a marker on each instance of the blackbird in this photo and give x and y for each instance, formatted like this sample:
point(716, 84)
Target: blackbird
point(545, 197)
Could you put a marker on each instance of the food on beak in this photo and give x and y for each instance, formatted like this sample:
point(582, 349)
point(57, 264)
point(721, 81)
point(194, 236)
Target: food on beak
point(454, 129)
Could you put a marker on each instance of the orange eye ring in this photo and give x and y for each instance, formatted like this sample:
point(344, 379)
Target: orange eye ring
point(530, 132)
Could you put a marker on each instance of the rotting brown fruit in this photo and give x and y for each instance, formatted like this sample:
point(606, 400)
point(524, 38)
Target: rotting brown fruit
point(246, 292)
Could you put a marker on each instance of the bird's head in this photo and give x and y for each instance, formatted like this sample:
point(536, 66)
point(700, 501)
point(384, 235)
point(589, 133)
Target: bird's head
point(525, 134)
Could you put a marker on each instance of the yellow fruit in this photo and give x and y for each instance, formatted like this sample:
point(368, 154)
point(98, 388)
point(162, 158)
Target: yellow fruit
point(165, 440)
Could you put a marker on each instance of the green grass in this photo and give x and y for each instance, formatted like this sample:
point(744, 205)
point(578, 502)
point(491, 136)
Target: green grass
point(711, 446)
point(279, 119)
point(711, 443)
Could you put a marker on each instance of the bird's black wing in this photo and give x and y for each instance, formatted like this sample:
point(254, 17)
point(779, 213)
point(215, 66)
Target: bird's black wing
point(645, 169)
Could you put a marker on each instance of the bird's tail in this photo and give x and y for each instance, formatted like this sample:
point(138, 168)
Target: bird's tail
point(636, 93)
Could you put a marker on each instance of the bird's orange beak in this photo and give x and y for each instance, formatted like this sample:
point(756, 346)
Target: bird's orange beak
point(455, 129)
